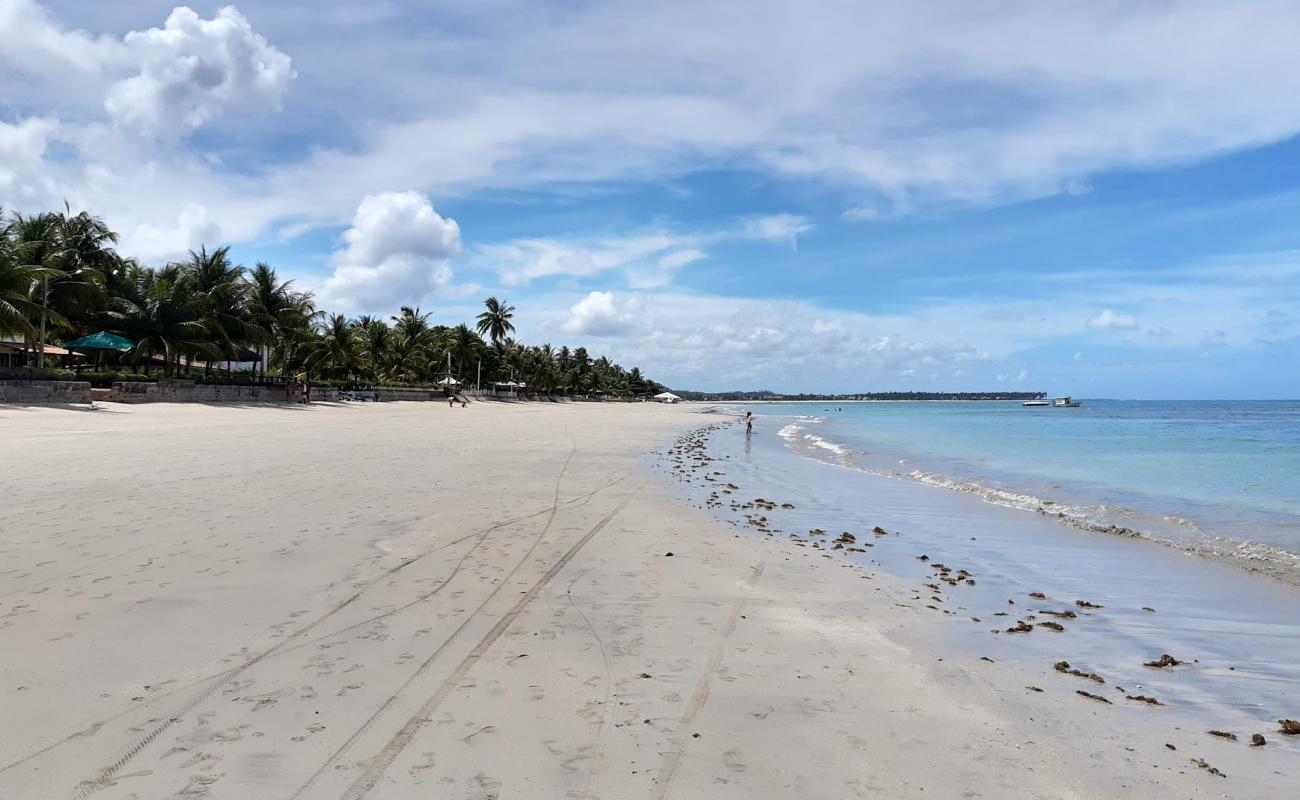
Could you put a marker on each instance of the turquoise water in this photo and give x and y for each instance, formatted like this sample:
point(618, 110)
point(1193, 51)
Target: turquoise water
point(859, 470)
point(1218, 477)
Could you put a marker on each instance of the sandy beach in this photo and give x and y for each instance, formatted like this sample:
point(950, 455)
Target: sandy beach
point(405, 601)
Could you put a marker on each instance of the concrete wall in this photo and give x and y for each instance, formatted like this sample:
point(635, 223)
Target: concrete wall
point(389, 393)
point(44, 392)
point(177, 391)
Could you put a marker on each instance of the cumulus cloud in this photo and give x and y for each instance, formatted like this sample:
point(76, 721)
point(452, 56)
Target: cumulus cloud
point(34, 43)
point(398, 250)
point(1107, 320)
point(600, 314)
point(192, 69)
point(192, 227)
point(22, 148)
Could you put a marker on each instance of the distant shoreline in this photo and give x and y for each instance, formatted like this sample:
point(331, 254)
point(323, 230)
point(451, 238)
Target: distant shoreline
point(918, 400)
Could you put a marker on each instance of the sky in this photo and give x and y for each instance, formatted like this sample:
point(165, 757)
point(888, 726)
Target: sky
point(1098, 198)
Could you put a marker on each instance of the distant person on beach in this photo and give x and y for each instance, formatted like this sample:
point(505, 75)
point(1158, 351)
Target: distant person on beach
point(749, 423)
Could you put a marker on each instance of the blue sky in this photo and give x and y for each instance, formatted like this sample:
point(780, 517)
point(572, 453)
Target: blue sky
point(1098, 199)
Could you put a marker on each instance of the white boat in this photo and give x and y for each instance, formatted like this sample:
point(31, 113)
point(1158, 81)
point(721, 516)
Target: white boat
point(1035, 403)
point(1065, 402)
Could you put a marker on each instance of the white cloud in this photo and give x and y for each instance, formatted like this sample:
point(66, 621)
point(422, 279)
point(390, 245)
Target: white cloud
point(648, 260)
point(523, 260)
point(33, 43)
point(398, 251)
point(781, 228)
point(715, 342)
point(894, 104)
point(680, 258)
point(22, 148)
point(861, 214)
point(600, 314)
point(192, 70)
point(1107, 320)
point(191, 228)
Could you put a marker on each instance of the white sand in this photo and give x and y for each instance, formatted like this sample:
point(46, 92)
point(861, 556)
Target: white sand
point(412, 601)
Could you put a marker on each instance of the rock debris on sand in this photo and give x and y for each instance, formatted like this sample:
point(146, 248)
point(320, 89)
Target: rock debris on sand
point(1165, 660)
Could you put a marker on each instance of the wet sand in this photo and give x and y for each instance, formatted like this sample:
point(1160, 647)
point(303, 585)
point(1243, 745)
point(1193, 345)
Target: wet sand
point(406, 600)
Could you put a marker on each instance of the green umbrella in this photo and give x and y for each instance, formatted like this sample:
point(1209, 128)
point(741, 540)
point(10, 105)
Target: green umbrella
point(100, 341)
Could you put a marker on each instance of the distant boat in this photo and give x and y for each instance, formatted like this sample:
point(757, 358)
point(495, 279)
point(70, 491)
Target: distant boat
point(1035, 403)
point(1065, 402)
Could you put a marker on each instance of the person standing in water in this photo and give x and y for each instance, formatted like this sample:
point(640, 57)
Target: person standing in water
point(749, 423)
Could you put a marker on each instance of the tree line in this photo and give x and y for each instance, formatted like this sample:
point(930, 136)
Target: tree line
point(61, 277)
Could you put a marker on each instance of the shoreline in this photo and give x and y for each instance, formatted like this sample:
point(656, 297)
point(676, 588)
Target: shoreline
point(380, 601)
point(1237, 632)
point(1141, 518)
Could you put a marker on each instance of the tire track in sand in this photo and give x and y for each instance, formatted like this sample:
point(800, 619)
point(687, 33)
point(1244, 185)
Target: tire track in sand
point(376, 766)
point(673, 756)
point(428, 662)
point(214, 682)
point(280, 649)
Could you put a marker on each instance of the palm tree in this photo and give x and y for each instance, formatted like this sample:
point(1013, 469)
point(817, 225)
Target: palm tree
point(61, 272)
point(17, 310)
point(296, 333)
point(336, 353)
point(221, 288)
point(465, 349)
point(581, 369)
point(495, 321)
point(35, 244)
point(164, 315)
point(411, 336)
point(635, 381)
point(271, 307)
point(89, 260)
point(376, 344)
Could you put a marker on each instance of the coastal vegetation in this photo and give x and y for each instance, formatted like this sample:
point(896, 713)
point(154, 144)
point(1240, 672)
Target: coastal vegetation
point(206, 316)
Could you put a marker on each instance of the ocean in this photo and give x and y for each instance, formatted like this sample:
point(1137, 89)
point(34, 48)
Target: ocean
point(1176, 524)
point(1220, 478)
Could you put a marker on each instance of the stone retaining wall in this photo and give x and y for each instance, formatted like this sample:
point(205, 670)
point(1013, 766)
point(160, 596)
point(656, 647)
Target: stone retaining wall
point(178, 391)
point(40, 393)
point(390, 393)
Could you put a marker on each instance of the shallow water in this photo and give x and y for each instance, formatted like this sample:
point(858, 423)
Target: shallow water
point(1218, 478)
point(1239, 633)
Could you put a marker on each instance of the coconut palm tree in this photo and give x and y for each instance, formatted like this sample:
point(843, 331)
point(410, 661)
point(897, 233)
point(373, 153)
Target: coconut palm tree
point(37, 246)
point(17, 281)
point(411, 335)
point(337, 353)
point(164, 315)
point(89, 260)
point(495, 321)
point(296, 335)
point(376, 340)
point(271, 307)
point(221, 288)
point(465, 349)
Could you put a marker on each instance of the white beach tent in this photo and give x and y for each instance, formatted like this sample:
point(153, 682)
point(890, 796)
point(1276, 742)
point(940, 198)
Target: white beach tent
point(667, 397)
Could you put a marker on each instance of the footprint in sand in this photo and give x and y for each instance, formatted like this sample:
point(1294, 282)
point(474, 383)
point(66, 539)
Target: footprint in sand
point(232, 734)
point(311, 731)
point(262, 701)
point(349, 688)
point(428, 763)
point(733, 761)
point(204, 759)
